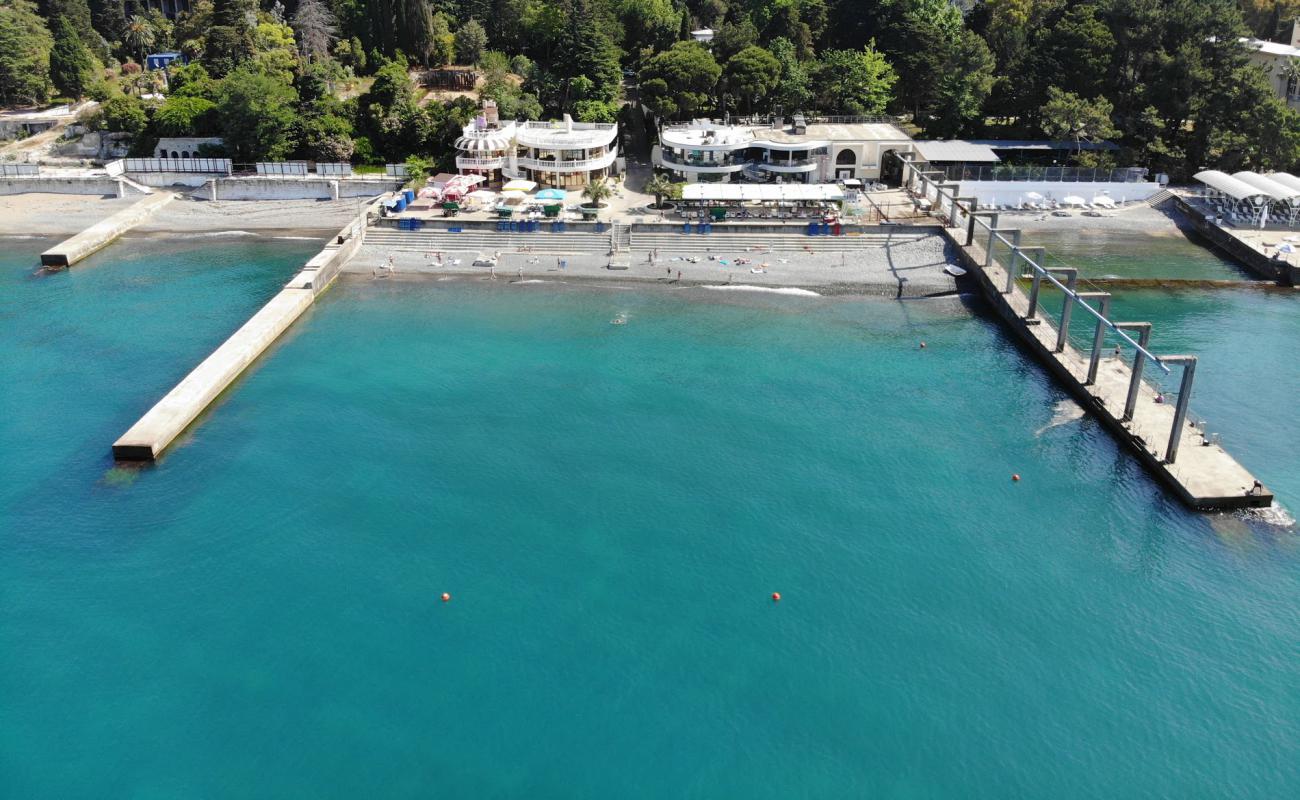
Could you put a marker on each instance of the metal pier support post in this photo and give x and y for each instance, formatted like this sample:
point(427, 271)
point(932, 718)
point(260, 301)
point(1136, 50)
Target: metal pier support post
point(970, 227)
point(1014, 233)
point(1067, 306)
point(969, 202)
point(1180, 410)
point(1038, 282)
point(1035, 257)
point(1139, 362)
point(1098, 336)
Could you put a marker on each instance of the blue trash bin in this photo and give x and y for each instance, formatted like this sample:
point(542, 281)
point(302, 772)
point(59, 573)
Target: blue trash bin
point(409, 194)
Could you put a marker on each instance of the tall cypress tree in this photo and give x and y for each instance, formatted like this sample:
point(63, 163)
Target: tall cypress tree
point(72, 68)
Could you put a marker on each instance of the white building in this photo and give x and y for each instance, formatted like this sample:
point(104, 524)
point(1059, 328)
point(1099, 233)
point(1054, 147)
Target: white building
point(820, 151)
point(563, 154)
point(703, 35)
point(1275, 58)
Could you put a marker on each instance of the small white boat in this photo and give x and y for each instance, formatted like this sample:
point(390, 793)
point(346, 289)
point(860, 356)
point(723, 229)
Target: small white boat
point(954, 270)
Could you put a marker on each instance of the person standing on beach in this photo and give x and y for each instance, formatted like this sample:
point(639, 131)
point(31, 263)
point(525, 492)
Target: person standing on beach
point(679, 275)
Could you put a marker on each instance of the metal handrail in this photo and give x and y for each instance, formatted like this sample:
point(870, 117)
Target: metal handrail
point(974, 219)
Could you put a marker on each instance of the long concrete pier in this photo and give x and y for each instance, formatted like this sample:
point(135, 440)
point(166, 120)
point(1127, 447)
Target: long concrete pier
point(70, 251)
point(178, 409)
point(1155, 429)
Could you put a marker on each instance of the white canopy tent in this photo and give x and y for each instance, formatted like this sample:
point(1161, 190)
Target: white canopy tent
point(1238, 197)
point(1286, 179)
point(1275, 190)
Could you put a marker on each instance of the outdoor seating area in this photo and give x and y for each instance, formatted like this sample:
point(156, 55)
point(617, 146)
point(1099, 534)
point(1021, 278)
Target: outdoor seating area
point(710, 202)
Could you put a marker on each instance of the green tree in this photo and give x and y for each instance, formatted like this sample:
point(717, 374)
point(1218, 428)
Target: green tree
point(1068, 116)
point(442, 48)
point(72, 68)
point(648, 25)
point(186, 116)
point(121, 114)
point(964, 85)
point(471, 41)
point(597, 192)
point(25, 45)
point(680, 81)
point(854, 82)
point(661, 186)
point(751, 75)
point(792, 91)
point(139, 35)
point(256, 116)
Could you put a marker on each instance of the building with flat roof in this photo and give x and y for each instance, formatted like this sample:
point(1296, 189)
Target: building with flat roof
point(564, 154)
point(816, 150)
point(1275, 58)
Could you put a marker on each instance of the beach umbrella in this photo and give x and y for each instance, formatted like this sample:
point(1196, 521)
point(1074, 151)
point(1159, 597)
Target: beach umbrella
point(1286, 248)
point(519, 185)
point(1034, 196)
point(484, 195)
point(1073, 200)
point(552, 194)
point(1104, 201)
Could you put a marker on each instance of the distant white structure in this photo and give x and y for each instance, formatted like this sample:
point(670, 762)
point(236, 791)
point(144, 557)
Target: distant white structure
point(563, 154)
point(816, 151)
point(703, 35)
point(186, 146)
point(1282, 63)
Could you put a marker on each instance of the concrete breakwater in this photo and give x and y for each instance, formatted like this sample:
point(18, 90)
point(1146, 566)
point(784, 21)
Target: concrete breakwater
point(178, 409)
point(1237, 248)
point(72, 250)
point(1204, 475)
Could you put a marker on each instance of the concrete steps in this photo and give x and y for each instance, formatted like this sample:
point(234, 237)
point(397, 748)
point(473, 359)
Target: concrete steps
point(778, 242)
point(489, 241)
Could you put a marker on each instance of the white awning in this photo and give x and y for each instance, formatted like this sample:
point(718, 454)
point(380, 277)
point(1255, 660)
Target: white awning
point(956, 150)
point(760, 192)
point(1274, 189)
point(1230, 186)
point(1286, 179)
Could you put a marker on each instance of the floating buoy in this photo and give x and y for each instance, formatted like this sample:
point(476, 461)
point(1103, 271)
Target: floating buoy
point(922, 345)
point(776, 597)
point(446, 597)
point(1015, 476)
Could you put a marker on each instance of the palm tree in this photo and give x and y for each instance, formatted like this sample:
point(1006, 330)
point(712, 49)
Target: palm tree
point(139, 35)
point(660, 186)
point(597, 191)
point(1291, 71)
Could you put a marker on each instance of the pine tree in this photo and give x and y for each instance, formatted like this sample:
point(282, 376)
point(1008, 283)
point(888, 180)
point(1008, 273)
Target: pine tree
point(316, 29)
point(24, 54)
point(72, 68)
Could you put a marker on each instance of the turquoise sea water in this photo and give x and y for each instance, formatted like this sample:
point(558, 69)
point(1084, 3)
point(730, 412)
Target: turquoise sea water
point(1162, 253)
point(611, 507)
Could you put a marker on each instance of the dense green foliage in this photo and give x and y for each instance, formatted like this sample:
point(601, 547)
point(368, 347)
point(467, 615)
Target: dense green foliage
point(1168, 80)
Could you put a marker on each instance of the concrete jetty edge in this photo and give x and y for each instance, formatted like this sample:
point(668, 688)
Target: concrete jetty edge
point(94, 238)
point(178, 409)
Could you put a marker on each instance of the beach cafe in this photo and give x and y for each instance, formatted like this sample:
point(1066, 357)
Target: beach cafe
point(719, 201)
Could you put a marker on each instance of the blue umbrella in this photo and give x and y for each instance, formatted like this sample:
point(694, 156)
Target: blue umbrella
point(551, 194)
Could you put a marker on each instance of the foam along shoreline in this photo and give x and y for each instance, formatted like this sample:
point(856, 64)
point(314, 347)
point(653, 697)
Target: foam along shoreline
point(793, 291)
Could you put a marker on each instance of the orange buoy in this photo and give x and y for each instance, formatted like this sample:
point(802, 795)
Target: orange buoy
point(1015, 476)
point(776, 597)
point(446, 597)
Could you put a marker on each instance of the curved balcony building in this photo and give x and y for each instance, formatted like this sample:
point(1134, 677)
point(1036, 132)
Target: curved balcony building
point(563, 154)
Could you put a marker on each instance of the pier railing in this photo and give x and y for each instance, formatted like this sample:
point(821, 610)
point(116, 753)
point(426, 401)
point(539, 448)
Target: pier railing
point(944, 201)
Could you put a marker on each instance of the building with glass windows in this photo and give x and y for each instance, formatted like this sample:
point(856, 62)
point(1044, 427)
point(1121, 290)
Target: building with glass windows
point(818, 150)
point(564, 154)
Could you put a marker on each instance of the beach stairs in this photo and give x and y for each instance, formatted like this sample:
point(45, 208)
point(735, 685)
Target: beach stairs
point(569, 243)
point(793, 242)
point(1159, 198)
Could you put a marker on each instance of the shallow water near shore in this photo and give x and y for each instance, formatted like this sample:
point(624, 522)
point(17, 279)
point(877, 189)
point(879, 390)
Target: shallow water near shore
point(611, 506)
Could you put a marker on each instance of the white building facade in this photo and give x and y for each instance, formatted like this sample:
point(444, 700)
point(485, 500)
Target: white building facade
point(820, 151)
point(563, 154)
point(1282, 64)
